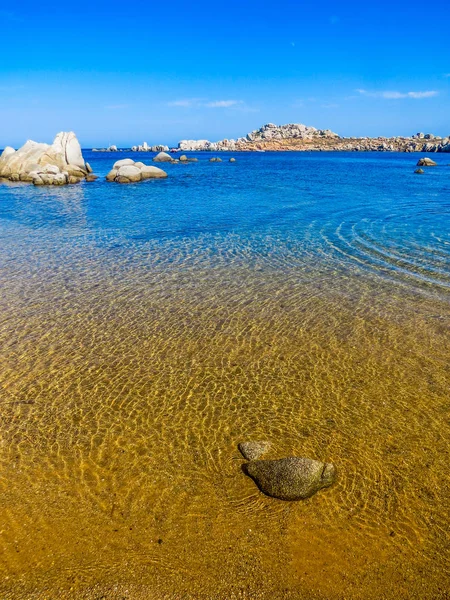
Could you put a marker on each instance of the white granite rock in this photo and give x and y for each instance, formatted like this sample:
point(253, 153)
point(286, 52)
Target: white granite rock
point(43, 160)
point(132, 172)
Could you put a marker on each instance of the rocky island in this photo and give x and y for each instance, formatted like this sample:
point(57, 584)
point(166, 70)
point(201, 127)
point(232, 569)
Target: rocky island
point(298, 137)
point(60, 163)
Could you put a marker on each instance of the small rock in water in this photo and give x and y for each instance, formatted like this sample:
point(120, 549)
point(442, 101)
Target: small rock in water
point(253, 450)
point(426, 162)
point(232, 160)
point(162, 157)
point(291, 478)
point(419, 171)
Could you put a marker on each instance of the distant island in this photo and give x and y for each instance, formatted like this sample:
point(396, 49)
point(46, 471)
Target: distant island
point(298, 137)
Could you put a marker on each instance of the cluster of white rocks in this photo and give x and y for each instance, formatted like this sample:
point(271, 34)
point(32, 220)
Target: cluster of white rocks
point(141, 148)
point(146, 148)
point(295, 136)
point(266, 133)
point(287, 132)
point(129, 171)
point(60, 163)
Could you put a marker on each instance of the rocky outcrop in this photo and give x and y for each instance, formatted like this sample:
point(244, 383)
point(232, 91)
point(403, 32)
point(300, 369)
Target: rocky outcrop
point(426, 162)
point(288, 132)
point(295, 136)
point(60, 163)
point(128, 171)
point(146, 148)
point(291, 478)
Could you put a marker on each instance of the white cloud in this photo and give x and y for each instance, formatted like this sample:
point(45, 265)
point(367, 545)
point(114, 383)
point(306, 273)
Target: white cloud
point(223, 103)
point(186, 102)
point(392, 95)
point(201, 102)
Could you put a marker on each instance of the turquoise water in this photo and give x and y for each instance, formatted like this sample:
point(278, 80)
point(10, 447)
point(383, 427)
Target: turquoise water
point(147, 329)
point(365, 212)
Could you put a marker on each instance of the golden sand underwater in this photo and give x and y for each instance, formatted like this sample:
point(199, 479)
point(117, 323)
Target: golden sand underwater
point(125, 391)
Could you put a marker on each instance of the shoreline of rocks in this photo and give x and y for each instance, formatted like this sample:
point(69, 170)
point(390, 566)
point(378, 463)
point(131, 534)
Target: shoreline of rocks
point(301, 138)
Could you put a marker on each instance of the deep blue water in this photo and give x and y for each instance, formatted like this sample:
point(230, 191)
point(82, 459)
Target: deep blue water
point(366, 212)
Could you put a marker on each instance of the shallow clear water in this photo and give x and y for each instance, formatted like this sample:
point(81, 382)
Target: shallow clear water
point(147, 329)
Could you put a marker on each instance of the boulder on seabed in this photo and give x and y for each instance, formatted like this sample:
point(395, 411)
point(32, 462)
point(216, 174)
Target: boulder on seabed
point(162, 157)
point(426, 162)
point(45, 164)
point(128, 171)
point(253, 450)
point(291, 478)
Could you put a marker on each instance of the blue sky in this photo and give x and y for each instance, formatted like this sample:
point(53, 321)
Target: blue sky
point(162, 71)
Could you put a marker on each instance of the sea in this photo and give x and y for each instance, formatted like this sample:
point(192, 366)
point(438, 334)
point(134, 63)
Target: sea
point(147, 329)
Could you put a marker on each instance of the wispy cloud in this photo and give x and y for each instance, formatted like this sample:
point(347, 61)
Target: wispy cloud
point(447, 75)
point(223, 103)
point(185, 102)
point(393, 95)
point(329, 105)
point(203, 103)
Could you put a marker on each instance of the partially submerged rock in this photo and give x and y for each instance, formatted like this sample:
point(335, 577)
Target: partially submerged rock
point(426, 162)
point(291, 478)
point(253, 450)
point(215, 159)
point(232, 159)
point(128, 171)
point(60, 163)
point(419, 171)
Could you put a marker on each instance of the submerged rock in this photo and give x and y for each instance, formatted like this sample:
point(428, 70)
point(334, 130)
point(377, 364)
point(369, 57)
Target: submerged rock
point(291, 478)
point(419, 171)
point(426, 162)
point(253, 450)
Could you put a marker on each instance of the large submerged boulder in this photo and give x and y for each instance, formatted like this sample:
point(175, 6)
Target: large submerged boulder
point(291, 478)
point(128, 171)
point(60, 163)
